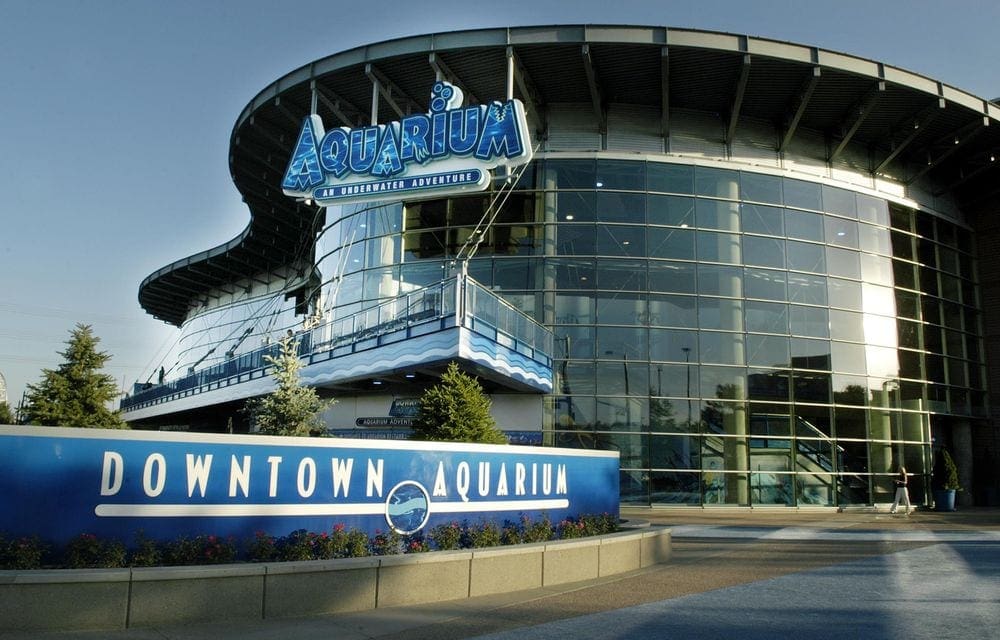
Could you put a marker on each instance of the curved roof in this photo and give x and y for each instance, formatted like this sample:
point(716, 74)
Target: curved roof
point(914, 128)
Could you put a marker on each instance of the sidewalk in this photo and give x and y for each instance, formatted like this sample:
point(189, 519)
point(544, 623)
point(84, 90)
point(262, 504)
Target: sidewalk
point(734, 573)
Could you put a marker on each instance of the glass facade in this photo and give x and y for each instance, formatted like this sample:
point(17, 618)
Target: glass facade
point(739, 338)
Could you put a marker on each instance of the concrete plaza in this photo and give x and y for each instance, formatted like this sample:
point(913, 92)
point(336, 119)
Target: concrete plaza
point(734, 573)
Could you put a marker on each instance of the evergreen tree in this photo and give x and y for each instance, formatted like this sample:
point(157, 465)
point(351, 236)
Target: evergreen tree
point(456, 410)
point(6, 415)
point(291, 409)
point(76, 394)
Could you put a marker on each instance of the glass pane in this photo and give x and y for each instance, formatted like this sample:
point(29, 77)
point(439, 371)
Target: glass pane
point(625, 175)
point(621, 308)
point(807, 289)
point(766, 284)
point(767, 351)
point(805, 195)
point(760, 188)
point(572, 274)
point(843, 262)
point(850, 390)
point(621, 207)
point(620, 240)
point(813, 422)
point(846, 325)
point(810, 354)
point(764, 252)
point(839, 201)
point(670, 242)
point(719, 247)
point(667, 487)
point(803, 225)
point(720, 313)
point(848, 358)
point(721, 348)
point(673, 311)
point(758, 218)
point(572, 174)
point(809, 321)
point(669, 178)
point(675, 211)
point(576, 206)
point(717, 214)
point(673, 345)
point(720, 281)
point(803, 256)
point(874, 210)
point(765, 384)
point(619, 275)
point(720, 183)
point(811, 387)
point(672, 277)
point(844, 293)
point(875, 240)
point(722, 382)
point(766, 317)
point(676, 380)
point(615, 343)
point(576, 239)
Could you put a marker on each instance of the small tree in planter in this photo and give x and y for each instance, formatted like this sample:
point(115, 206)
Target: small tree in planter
point(456, 410)
point(944, 499)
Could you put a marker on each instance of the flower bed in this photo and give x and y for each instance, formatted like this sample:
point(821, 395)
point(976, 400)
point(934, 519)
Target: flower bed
point(88, 551)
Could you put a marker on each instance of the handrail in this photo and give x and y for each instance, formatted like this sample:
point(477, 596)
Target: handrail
point(432, 303)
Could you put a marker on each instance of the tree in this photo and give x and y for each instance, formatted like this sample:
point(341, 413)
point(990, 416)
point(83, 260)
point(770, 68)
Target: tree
point(6, 416)
point(456, 410)
point(76, 394)
point(291, 409)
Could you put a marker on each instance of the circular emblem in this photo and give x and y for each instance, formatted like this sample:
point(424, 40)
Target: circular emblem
point(407, 507)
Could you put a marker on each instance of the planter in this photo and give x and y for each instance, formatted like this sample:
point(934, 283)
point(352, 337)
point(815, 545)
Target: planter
point(944, 499)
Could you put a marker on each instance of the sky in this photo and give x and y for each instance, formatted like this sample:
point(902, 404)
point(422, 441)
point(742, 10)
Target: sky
point(115, 119)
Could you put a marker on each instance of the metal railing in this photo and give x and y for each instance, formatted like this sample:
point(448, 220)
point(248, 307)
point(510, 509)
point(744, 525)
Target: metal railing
point(457, 301)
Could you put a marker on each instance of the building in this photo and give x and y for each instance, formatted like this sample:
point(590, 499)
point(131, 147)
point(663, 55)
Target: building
point(749, 266)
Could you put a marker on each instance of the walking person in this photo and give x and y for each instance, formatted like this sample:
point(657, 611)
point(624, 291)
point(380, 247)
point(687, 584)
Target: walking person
point(901, 493)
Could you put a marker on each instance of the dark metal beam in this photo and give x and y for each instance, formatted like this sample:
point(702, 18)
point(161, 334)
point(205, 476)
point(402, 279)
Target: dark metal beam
point(737, 104)
point(959, 139)
point(665, 95)
point(389, 91)
point(916, 125)
point(856, 117)
point(530, 95)
point(982, 164)
point(798, 106)
point(443, 72)
point(348, 114)
point(283, 110)
point(596, 99)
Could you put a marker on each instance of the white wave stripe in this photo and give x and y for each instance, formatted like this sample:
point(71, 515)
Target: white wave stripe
point(327, 509)
point(235, 510)
point(499, 505)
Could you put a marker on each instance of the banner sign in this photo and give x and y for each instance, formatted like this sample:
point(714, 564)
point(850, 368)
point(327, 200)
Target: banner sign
point(58, 483)
point(449, 150)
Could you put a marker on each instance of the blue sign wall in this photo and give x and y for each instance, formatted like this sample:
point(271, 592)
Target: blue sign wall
point(58, 483)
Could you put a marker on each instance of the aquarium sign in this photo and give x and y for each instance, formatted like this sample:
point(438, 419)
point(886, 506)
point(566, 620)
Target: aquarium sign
point(58, 483)
point(449, 150)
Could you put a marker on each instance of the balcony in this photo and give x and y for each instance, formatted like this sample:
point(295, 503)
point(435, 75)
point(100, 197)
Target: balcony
point(456, 319)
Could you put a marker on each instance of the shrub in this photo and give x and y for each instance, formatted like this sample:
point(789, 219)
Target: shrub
point(87, 551)
point(22, 553)
point(262, 547)
point(569, 529)
point(298, 545)
point(199, 550)
point(147, 553)
point(417, 544)
point(537, 531)
point(388, 543)
point(484, 534)
point(447, 536)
